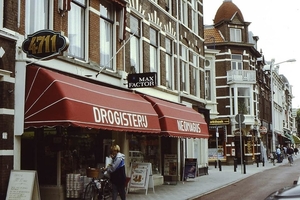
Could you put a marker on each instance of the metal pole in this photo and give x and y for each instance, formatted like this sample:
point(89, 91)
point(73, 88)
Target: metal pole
point(217, 144)
point(241, 143)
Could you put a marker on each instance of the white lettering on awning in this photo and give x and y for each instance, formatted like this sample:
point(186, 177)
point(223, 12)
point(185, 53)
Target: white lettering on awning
point(105, 116)
point(188, 126)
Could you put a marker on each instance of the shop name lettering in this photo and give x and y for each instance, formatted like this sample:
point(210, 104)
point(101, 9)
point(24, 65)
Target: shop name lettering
point(104, 116)
point(143, 82)
point(188, 126)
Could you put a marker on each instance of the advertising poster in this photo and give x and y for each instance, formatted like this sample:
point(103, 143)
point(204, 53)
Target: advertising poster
point(190, 169)
point(170, 165)
point(138, 177)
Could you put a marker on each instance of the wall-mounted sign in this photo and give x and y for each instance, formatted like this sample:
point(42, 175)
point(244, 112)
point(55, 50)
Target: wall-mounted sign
point(219, 121)
point(45, 44)
point(142, 80)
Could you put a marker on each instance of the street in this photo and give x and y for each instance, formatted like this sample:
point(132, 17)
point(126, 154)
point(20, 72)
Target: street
point(258, 186)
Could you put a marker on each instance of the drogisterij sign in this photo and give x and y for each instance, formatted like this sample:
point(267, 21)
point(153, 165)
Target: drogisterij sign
point(142, 80)
point(45, 44)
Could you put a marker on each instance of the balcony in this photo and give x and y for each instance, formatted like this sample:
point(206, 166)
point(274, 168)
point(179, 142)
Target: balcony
point(241, 76)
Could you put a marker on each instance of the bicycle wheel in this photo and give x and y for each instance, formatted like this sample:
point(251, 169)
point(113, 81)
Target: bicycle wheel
point(106, 190)
point(90, 192)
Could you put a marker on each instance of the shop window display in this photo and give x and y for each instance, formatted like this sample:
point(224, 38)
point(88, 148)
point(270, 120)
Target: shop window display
point(145, 149)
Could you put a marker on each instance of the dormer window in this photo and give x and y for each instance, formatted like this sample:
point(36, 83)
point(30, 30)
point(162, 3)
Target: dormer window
point(235, 35)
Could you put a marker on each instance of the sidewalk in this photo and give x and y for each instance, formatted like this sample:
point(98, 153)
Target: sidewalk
point(201, 185)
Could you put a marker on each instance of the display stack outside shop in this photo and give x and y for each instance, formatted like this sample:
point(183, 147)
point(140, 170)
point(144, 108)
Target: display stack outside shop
point(74, 185)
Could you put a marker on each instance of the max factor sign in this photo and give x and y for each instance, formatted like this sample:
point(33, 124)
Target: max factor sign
point(142, 80)
point(45, 44)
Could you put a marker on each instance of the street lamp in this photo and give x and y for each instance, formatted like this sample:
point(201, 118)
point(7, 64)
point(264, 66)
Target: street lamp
point(272, 98)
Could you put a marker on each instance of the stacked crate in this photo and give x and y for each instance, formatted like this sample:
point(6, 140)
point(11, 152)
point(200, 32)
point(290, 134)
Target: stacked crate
point(74, 186)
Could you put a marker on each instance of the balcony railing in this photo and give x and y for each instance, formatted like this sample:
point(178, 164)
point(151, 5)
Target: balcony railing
point(241, 76)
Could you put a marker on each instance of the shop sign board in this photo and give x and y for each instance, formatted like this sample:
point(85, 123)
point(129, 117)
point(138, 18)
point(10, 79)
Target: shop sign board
point(141, 176)
point(45, 44)
point(170, 165)
point(142, 80)
point(220, 121)
point(190, 168)
point(23, 185)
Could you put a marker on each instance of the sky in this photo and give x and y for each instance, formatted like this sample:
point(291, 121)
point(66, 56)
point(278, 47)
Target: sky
point(276, 23)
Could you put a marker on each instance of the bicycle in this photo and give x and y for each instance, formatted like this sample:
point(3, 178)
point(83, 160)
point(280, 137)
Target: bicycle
point(97, 188)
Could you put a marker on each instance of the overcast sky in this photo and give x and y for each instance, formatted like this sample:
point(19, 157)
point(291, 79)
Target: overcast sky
point(277, 24)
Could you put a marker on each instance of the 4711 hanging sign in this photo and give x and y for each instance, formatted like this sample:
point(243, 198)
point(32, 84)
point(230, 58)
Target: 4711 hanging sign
point(45, 44)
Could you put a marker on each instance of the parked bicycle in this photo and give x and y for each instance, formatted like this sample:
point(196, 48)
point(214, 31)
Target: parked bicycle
point(97, 188)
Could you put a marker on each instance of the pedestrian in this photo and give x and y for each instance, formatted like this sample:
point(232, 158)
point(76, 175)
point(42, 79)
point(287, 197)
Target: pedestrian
point(284, 151)
point(290, 152)
point(278, 153)
point(296, 151)
point(117, 174)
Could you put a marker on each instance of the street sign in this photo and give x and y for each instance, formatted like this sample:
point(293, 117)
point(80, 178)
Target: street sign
point(240, 118)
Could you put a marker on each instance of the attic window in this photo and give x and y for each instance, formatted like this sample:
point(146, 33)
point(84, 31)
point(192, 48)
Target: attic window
point(235, 35)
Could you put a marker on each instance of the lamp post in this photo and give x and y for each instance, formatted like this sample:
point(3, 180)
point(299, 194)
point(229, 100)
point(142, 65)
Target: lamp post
point(272, 99)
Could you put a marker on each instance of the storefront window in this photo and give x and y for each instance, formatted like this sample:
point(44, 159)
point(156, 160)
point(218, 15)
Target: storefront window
point(145, 149)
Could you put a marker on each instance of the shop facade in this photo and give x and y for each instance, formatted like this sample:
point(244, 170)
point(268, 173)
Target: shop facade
point(70, 124)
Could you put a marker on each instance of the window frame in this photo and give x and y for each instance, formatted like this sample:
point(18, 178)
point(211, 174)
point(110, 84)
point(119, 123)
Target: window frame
point(184, 64)
point(184, 12)
point(37, 21)
point(82, 41)
point(241, 97)
point(154, 43)
point(194, 16)
point(136, 41)
point(195, 76)
point(169, 63)
point(108, 46)
point(236, 63)
point(1, 13)
point(235, 35)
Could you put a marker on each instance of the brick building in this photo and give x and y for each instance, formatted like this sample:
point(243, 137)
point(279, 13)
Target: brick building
point(60, 115)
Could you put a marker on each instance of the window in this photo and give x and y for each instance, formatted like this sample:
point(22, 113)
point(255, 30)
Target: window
point(169, 6)
point(76, 29)
point(208, 81)
point(135, 44)
point(235, 35)
point(184, 15)
point(194, 16)
point(1, 12)
point(169, 63)
point(106, 34)
point(184, 68)
point(243, 99)
point(194, 78)
point(153, 51)
point(207, 85)
point(236, 62)
point(40, 9)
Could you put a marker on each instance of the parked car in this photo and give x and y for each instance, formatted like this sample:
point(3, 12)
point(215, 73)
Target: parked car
point(286, 193)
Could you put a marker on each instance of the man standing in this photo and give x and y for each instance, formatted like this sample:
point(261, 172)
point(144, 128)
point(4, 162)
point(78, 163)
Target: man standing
point(117, 173)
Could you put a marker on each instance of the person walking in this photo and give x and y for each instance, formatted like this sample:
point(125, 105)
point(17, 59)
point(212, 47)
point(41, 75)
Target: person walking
point(117, 174)
point(296, 151)
point(278, 153)
point(290, 152)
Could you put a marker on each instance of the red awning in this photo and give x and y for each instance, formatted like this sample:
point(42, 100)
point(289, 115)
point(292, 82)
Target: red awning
point(178, 120)
point(53, 99)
